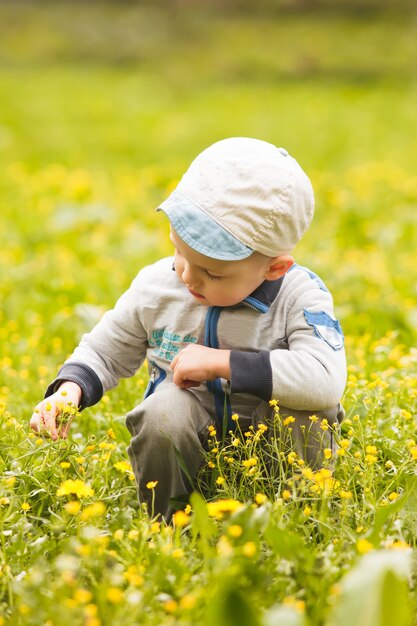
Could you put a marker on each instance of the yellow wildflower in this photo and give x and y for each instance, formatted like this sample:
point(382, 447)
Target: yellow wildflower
point(151, 484)
point(65, 464)
point(114, 595)
point(393, 496)
point(286, 494)
point(249, 549)
point(363, 546)
point(288, 420)
point(327, 453)
point(313, 418)
point(235, 531)
point(72, 507)
point(260, 498)
point(324, 424)
point(220, 480)
point(307, 511)
point(77, 487)
point(217, 508)
point(235, 417)
point(93, 510)
point(26, 506)
point(180, 519)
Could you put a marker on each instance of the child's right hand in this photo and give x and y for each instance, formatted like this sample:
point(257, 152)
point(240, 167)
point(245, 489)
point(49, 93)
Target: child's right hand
point(45, 413)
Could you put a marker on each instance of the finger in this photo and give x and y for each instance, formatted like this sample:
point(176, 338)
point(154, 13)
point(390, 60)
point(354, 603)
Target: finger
point(174, 362)
point(49, 417)
point(190, 383)
point(35, 421)
point(64, 428)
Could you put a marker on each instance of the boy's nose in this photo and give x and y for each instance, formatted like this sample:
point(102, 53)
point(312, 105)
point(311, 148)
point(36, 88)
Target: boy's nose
point(190, 276)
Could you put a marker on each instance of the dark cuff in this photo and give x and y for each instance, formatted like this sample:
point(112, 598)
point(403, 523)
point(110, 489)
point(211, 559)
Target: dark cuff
point(85, 377)
point(251, 372)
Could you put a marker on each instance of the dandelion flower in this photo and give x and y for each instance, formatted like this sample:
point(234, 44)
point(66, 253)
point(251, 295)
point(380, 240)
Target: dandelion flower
point(151, 484)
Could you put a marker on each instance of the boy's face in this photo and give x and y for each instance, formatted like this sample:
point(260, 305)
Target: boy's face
point(223, 283)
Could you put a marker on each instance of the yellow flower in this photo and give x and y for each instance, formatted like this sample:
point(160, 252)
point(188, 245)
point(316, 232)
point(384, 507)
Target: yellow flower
point(298, 605)
point(133, 534)
point(371, 459)
point(260, 498)
point(371, 450)
point(288, 420)
point(313, 418)
point(345, 444)
point(211, 465)
point(82, 596)
point(110, 433)
point(250, 462)
point(180, 519)
point(220, 480)
point(327, 453)
point(393, 496)
point(273, 403)
point(217, 508)
point(399, 545)
point(77, 487)
point(155, 527)
point(286, 494)
point(114, 595)
point(235, 417)
point(65, 464)
point(151, 484)
point(93, 510)
point(363, 546)
point(170, 606)
point(235, 442)
point(178, 553)
point(249, 549)
point(26, 506)
point(72, 507)
point(324, 424)
point(345, 494)
point(306, 511)
point(118, 534)
point(340, 452)
point(235, 531)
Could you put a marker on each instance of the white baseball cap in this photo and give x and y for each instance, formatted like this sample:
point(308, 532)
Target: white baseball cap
point(241, 195)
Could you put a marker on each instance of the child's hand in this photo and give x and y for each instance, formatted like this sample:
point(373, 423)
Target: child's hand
point(195, 364)
point(53, 416)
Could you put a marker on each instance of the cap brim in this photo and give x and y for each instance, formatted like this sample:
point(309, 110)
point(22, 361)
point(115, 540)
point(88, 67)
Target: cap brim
point(200, 231)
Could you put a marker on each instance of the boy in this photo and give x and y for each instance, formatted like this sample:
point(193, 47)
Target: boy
point(231, 316)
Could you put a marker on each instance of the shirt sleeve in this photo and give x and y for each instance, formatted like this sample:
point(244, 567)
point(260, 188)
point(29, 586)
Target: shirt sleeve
point(114, 349)
point(311, 373)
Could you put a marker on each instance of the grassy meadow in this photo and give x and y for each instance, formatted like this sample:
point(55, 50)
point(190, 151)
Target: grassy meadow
point(102, 107)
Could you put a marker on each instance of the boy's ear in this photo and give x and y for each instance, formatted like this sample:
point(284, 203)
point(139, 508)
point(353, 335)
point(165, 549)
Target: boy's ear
point(279, 266)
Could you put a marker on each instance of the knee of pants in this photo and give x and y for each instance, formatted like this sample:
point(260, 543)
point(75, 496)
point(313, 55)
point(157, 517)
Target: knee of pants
point(170, 414)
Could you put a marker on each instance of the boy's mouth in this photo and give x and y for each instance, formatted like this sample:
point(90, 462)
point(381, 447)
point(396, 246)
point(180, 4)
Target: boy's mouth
point(194, 293)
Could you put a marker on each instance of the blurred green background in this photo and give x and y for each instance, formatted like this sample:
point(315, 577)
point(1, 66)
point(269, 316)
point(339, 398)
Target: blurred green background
point(103, 105)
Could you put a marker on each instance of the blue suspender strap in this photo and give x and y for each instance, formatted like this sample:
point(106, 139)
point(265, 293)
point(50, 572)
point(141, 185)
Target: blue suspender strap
point(215, 386)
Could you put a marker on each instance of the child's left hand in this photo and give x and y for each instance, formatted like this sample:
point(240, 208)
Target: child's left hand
point(195, 364)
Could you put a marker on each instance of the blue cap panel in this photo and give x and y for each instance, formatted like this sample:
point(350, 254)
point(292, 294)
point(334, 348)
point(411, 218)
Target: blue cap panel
point(200, 231)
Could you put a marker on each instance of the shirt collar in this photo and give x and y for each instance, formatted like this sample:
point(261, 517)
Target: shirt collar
point(263, 296)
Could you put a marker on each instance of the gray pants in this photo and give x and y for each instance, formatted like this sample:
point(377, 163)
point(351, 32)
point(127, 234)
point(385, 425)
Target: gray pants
point(174, 418)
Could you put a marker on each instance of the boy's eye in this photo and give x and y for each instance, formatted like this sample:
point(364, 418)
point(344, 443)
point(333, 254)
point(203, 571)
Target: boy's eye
point(211, 277)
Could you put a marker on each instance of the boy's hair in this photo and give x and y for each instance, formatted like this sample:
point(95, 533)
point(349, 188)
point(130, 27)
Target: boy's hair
point(241, 195)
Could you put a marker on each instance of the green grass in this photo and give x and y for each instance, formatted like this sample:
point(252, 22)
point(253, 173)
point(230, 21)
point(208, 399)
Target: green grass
point(96, 126)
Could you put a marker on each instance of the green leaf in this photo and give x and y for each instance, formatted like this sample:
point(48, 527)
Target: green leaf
point(374, 593)
point(383, 512)
point(287, 544)
point(230, 607)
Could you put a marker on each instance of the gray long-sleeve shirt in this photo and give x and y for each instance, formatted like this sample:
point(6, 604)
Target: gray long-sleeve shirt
point(285, 342)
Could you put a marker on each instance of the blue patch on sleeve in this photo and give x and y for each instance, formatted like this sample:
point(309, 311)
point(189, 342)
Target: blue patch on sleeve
point(312, 275)
point(326, 328)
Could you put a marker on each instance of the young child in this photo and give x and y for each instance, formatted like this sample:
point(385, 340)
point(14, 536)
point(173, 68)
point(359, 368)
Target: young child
point(231, 316)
